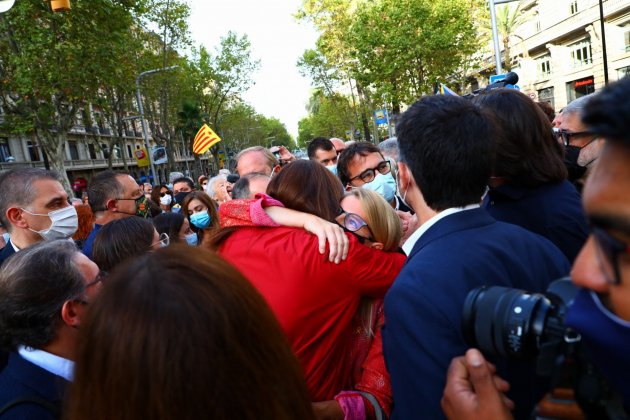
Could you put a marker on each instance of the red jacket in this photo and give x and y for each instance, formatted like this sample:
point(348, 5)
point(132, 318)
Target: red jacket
point(313, 299)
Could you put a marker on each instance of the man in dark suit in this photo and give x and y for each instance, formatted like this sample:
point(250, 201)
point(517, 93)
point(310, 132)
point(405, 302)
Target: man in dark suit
point(44, 291)
point(446, 150)
point(34, 207)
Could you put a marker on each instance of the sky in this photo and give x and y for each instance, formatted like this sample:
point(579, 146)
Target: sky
point(277, 40)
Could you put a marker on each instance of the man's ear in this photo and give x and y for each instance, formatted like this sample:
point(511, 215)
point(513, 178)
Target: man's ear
point(16, 218)
point(404, 176)
point(111, 205)
point(71, 313)
point(276, 169)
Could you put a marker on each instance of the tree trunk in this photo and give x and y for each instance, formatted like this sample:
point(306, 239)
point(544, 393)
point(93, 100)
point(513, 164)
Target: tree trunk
point(54, 147)
point(364, 118)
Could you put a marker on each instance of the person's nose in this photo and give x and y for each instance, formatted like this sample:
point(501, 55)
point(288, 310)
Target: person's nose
point(589, 268)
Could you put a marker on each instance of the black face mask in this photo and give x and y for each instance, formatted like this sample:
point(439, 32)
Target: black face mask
point(179, 197)
point(571, 155)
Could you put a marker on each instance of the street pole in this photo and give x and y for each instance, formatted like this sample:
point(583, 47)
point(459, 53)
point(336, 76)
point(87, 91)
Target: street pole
point(605, 56)
point(495, 37)
point(145, 132)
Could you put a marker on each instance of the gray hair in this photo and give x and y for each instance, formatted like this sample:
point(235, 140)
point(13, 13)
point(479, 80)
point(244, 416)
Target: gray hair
point(17, 189)
point(240, 189)
point(34, 285)
point(577, 105)
point(272, 162)
point(174, 175)
point(104, 186)
point(389, 148)
point(210, 185)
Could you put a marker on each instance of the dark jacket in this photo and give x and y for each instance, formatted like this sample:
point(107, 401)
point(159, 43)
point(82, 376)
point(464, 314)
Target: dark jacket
point(22, 378)
point(423, 308)
point(553, 211)
point(6, 252)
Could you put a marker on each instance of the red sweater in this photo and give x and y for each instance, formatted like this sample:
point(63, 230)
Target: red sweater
point(313, 299)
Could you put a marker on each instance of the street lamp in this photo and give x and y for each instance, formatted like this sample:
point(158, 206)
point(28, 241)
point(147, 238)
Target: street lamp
point(145, 132)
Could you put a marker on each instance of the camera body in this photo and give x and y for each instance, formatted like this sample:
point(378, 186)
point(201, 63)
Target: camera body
point(517, 325)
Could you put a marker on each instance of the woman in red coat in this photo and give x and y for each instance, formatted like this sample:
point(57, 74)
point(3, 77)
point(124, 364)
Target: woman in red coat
point(314, 299)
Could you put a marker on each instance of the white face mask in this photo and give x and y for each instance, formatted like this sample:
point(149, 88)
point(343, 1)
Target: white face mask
point(64, 223)
point(166, 200)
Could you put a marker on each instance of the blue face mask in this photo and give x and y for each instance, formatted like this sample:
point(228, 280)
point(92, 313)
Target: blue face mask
point(6, 236)
point(605, 337)
point(200, 220)
point(332, 168)
point(384, 185)
point(192, 239)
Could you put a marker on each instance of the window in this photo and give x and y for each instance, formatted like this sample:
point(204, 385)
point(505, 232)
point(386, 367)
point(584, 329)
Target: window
point(74, 152)
point(579, 88)
point(574, 7)
point(623, 72)
point(581, 54)
point(33, 151)
point(92, 151)
point(129, 152)
point(626, 36)
point(546, 95)
point(105, 150)
point(543, 66)
point(5, 151)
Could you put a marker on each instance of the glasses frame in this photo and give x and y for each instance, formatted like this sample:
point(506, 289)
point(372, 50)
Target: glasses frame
point(98, 279)
point(609, 250)
point(384, 167)
point(363, 223)
point(566, 135)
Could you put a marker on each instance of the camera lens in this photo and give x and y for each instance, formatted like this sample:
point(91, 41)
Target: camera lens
point(505, 322)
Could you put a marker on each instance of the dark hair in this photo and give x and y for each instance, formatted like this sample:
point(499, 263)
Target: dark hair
point(212, 211)
point(527, 154)
point(155, 194)
point(34, 285)
point(17, 189)
point(104, 186)
point(187, 180)
point(169, 223)
point(240, 189)
point(608, 112)
point(448, 144)
point(319, 143)
point(121, 239)
point(360, 148)
point(199, 343)
point(307, 186)
point(547, 109)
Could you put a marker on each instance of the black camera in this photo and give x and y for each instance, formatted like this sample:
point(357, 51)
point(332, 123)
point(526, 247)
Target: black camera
point(517, 325)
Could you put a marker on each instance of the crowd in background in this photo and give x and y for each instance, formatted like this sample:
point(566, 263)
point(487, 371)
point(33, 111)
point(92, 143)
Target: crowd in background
point(328, 288)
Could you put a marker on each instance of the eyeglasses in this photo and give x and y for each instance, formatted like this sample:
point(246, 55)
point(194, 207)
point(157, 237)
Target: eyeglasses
point(369, 174)
point(609, 249)
point(353, 222)
point(163, 242)
point(567, 135)
point(162, 194)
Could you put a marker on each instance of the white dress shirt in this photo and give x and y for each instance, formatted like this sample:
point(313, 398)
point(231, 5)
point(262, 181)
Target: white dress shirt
point(48, 361)
point(411, 241)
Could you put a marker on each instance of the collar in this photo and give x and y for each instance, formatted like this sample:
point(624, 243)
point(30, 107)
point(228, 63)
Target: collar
point(512, 192)
point(48, 361)
point(409, 244)
point(15, 248)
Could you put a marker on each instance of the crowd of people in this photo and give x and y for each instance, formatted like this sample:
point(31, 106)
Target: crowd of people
point(327, 288)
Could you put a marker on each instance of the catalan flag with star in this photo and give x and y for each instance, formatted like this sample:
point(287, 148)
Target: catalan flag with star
point(205, 139)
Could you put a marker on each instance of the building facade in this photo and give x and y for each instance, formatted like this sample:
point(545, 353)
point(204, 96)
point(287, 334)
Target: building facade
point(558, 50)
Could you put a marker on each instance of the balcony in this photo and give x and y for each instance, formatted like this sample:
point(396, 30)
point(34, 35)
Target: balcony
point(70, 165)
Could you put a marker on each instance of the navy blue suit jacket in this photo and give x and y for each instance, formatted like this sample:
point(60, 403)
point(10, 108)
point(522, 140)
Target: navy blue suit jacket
point(6, 252)
point(553, 211)
point(21, 378)
point(423, 308)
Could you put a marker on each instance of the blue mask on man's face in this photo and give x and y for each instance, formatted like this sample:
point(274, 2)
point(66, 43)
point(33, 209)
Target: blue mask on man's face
point(605, 337)
point(385, 185)
point(332, 168)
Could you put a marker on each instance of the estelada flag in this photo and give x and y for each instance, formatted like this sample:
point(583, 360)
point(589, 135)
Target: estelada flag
point(205, 139)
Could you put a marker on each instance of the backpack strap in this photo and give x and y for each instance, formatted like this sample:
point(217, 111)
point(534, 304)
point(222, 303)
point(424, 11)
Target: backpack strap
point(378, 411)
point(50, 406)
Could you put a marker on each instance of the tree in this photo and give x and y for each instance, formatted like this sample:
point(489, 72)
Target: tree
point(508, 20)
point(53, 65)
